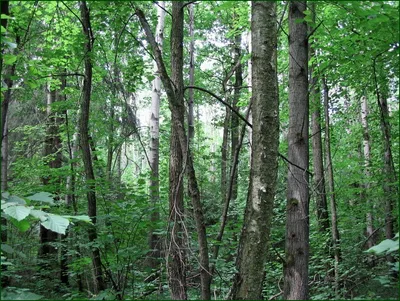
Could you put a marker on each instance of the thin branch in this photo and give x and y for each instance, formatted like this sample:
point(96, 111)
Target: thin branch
point(312, 32)
point(280, 21)
point(187, 3)
point(220, 100)
point(73, 13)
point(163, 8)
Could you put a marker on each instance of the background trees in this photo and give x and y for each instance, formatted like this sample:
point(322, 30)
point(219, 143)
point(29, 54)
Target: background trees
point(215, 230)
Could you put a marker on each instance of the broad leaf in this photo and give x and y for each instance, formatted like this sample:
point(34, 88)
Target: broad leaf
point(42, 197)
point(9, 59)
point(385, 247)
point(17, 212)
point(83, 218)
point(22, 226)
point(6, 248)
point(56, 223)
point(39, 214)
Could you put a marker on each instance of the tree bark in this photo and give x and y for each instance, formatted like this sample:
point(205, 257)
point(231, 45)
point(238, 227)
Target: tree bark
point(297, 211)
point(331, 191)
point(85, 144)
point(254, 238)
point(154, 239)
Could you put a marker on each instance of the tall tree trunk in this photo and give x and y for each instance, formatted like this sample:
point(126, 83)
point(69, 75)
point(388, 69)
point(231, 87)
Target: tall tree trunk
point(253, 246)
point(331, 191)
point(367, 165)
point(390, 179)
point(52, 147)
point(154, 239)
point(85, 144)
point(234, 118)
point(297, 211)
point(319, 178)
point(191, 73)
point(176, 103)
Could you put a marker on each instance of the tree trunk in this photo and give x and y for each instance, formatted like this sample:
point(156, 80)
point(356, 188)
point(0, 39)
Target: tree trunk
point(297, 211)
point(331, 192)
point(191, 73)
point(253, 245)
point(234, 118)
point(367, 165)
point(154, 239)
point(176, 103)
point(85, 144)
point(52, 148)
point(319, 178)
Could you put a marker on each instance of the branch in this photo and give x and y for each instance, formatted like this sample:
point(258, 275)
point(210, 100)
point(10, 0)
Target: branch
point(220, 100)
point(291, 163)
point(245, 121)
point(156, 3)
point(157, 55)
point(188, 3)
point(312, 32)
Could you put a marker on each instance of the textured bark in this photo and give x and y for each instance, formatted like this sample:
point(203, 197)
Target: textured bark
point(297, 211)
point(331, 191)
point(154, 239)
point(253, 245)
point(85, 145)
point(319, 178)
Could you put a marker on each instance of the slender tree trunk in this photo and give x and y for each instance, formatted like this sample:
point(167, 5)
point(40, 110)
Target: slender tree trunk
point(234, 118)
point(297, 211)
point(253, 245)
point(191, 73)
point(47, 252)
point(176, 103)
point(85, 144)
point(331, 191)
point(154, 239)
point(367, 165)
point(319, 178)
point(390, 179)
point(224, 153)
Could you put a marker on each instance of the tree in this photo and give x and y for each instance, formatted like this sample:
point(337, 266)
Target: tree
point(297, 210)
point(319, 178)
point(85, 143)
point(331, 191)
point(154, 239)
point(180, 150)
point(254, 238)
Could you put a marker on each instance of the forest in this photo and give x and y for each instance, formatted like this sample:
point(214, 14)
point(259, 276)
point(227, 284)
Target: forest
point(199, 150)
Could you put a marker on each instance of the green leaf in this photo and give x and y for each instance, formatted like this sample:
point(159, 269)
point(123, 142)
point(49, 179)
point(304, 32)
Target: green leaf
point(56, 223)
point(6, 248)
point(9, 59)
point(22, 226)
point(83, 218)
point(42, 197)
point(17, 212)
point(39, 214)
point(384, 247)
point(16, 199)
point(5, 195)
